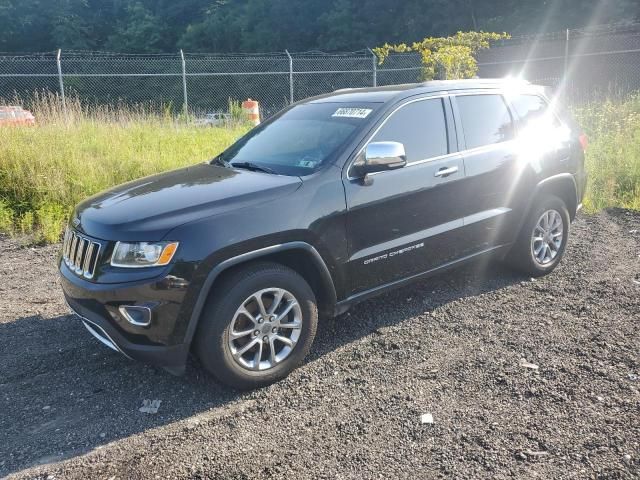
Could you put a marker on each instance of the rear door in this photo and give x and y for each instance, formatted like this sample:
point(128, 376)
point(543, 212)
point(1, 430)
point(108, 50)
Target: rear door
point(406, 221)
point(492, 170)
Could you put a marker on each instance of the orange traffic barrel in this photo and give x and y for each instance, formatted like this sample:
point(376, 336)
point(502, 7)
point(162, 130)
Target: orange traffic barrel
point(251, 110)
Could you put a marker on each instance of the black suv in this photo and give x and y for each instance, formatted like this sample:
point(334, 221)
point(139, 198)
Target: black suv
point(335, 199)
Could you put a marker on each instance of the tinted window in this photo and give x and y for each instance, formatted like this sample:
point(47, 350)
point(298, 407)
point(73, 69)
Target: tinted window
point(485, 120)
point(420, 126)
point(530, 108)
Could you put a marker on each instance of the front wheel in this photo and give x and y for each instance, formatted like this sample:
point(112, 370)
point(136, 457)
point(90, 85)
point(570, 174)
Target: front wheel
point(258, 326)
point(543, 238)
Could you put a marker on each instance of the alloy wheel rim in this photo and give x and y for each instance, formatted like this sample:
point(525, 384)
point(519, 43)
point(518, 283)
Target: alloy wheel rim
point(547, 236)
point(265, 329)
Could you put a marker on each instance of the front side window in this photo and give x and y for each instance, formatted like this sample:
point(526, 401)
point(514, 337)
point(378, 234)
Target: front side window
point(485, 120)
point(420, 126)
point(302, 139)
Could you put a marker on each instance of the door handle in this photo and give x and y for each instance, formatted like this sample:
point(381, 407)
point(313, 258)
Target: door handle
point(445, 171)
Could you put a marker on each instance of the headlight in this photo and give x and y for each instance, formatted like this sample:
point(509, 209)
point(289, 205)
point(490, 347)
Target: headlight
point(143, 254)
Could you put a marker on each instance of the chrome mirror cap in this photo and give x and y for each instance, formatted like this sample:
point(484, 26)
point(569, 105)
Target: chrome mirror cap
point(380, 156)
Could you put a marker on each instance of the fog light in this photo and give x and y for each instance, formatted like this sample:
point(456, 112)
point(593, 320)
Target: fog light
point(135, 315)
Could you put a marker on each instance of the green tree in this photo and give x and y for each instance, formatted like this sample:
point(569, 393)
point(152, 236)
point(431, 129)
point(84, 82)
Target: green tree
point(218, 30)
point(266, 25)
point(70, 25)
point(139, 27)
point(446, 58)
point(25, 25)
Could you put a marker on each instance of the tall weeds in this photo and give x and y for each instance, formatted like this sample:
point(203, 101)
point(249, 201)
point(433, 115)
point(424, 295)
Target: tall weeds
point(45, 170)
point(613, 156)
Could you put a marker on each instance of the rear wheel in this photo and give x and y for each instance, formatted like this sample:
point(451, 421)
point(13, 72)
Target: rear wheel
point(258, 326)
point(543, 238)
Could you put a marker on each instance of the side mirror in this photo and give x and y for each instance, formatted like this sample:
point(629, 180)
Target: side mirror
point(381, 156)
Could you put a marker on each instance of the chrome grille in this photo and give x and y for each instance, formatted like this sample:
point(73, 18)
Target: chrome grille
point(80, 254)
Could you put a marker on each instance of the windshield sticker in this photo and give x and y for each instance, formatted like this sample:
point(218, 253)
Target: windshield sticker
point(352, 112)
point(307, 163)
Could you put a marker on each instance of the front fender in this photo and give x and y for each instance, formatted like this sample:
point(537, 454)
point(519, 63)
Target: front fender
point(215, 273)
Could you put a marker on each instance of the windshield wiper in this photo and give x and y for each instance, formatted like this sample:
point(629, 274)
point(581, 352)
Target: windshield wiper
point(221, 162)
point(254, 167)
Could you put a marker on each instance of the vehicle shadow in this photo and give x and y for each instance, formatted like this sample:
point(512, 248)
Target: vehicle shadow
point(419, 298)
point(63, 394)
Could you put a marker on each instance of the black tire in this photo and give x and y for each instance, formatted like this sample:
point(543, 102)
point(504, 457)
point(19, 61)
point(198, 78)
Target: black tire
point(522, 256)
point(212, 340)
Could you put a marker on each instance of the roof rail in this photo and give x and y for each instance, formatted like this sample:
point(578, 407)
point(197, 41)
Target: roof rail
point(488, 81)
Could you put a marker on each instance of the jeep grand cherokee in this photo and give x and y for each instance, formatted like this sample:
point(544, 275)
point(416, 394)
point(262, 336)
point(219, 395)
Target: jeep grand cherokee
point(333, 200)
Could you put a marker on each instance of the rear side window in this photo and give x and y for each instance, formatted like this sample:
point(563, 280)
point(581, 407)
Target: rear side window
point(420, 126)
point(530, 108)
point(485, 119)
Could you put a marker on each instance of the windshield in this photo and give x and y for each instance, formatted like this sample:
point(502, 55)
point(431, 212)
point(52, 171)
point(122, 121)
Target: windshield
point(301, 140)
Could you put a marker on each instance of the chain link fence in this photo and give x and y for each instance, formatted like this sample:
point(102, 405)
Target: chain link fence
point(588, 63)
point(197, 83)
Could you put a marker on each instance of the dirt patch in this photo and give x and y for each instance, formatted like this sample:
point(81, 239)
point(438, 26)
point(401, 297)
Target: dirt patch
point(462, 347)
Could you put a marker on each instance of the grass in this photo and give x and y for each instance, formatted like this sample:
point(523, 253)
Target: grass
point(613, 156)
point(47, 169)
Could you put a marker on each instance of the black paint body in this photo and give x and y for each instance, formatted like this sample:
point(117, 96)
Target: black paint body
point(330, 226)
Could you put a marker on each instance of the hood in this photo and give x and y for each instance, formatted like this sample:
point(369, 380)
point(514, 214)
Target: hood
point(146, 209)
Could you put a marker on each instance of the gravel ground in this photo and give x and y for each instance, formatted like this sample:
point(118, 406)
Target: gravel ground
point(451, 346)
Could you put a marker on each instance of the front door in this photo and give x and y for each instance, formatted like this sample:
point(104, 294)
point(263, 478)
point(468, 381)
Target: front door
point(406, 221)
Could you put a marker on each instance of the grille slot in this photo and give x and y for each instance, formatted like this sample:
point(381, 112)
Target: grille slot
point(80, 254)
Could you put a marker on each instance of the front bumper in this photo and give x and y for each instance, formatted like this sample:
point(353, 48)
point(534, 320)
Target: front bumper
point(162, 343)
point(172, 358)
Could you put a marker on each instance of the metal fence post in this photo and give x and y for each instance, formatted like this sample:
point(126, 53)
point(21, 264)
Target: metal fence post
point(375, 67)
point(59, 63)
point(185, 105)
point(290, 76)
point(566, 58)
